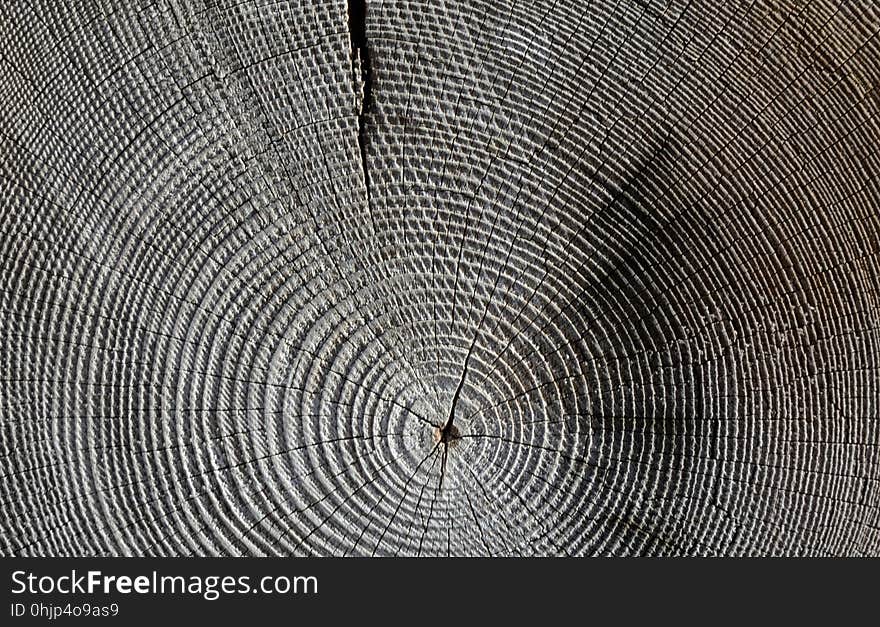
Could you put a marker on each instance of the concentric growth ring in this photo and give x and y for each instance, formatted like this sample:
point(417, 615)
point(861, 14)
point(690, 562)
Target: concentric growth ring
point(455, 278)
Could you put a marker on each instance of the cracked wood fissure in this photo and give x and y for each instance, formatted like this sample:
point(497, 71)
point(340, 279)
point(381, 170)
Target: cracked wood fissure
point(357, 25)
point(393, 277)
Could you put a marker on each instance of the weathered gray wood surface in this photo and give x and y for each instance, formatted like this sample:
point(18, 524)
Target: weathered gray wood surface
point(454, 278)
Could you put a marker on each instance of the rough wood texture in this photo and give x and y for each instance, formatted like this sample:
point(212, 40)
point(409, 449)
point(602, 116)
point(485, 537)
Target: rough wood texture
point(440, 277)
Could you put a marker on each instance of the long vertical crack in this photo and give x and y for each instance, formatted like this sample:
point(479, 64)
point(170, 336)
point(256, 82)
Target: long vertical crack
point(357, 28)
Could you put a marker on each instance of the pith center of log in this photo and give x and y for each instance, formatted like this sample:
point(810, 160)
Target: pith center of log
point(448, 434)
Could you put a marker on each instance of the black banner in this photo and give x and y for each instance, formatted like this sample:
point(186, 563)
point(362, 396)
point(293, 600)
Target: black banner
point(130, 591)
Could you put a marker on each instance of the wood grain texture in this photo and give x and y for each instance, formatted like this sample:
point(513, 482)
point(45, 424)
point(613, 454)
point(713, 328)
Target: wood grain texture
point(440, 278)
